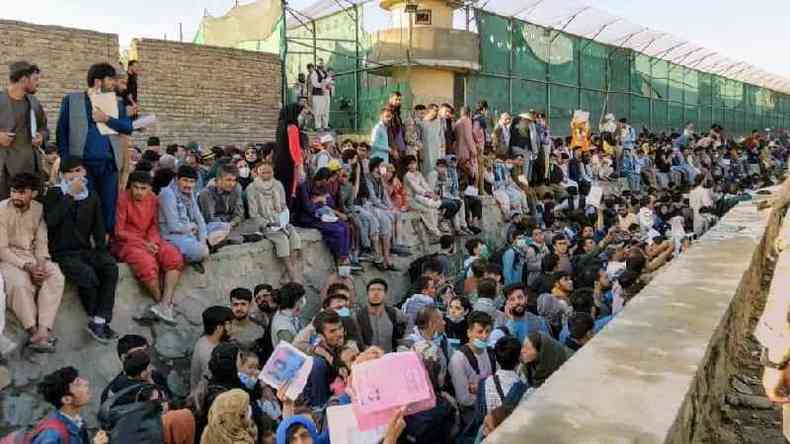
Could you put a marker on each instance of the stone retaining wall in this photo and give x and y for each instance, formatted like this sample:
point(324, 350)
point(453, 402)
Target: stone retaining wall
point(657, 372)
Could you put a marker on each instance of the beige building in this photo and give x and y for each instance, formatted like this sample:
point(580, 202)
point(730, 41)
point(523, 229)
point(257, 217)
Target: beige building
point(423, 50)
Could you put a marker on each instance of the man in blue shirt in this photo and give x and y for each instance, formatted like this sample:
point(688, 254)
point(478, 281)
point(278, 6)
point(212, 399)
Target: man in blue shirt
point(520, 322)
point(68, 393)
point(78, 136)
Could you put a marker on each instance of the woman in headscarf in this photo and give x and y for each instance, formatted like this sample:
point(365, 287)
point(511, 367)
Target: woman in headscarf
point(299, 428)
point(312, 208)
point(267, 207)
point(230, 420)
point(288, 163)
point(541, 356)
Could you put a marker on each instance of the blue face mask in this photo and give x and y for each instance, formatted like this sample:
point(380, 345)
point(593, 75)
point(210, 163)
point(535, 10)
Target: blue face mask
point(343, 312)
point(246, 381)
point(479, 344)
point(437, 339)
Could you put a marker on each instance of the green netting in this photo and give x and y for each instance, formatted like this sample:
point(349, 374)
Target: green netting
point(593, 62)
point(523, 66)
point(495, 45)
point(619, 70)
point(530, 51)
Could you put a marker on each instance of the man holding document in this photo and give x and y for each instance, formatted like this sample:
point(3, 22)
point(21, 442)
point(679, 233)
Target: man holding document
point(90, 126)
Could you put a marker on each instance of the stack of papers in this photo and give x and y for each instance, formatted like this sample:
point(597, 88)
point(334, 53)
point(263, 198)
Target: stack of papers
point(384, 385)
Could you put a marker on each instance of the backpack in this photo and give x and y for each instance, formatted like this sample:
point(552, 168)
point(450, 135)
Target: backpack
point(27, 436)
point(139, 422)
point(470, 356)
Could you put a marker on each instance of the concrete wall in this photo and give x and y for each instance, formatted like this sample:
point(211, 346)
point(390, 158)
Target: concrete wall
point(237, 266)
point(207, 94)
point(212, 95)
point(658, 372)
point(428, 85)
point(63, 54)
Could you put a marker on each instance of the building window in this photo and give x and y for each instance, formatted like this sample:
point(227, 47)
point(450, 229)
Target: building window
point(422, 17)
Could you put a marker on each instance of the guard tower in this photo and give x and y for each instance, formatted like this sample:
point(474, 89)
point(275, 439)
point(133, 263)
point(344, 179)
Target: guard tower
point(423, 49)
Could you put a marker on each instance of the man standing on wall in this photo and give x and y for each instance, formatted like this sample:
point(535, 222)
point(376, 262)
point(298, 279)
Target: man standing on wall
point(133, 69)
point(23, 125)
point(78, 135)
point(321, 105)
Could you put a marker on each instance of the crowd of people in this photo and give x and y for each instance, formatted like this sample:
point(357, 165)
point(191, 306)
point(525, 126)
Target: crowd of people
point(590, 218)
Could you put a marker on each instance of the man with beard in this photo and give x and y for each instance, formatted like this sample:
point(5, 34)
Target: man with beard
point(217, 324)
point(520, 322)
point(26, 266)
point(245, 332)
point(79, 136)
point(23, 125)
point(319, 80)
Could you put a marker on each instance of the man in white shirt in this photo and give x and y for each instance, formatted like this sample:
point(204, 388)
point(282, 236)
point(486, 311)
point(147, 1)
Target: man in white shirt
point(319, 82)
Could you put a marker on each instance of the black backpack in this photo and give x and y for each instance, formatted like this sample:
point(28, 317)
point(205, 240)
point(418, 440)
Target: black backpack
point(470, 356)
point(139, 422)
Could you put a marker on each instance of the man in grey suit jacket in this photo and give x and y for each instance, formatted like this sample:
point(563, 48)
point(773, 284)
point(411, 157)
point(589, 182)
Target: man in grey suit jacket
point(23, 125)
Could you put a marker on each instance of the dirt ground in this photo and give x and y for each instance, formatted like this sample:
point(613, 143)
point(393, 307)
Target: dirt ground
point(748, 416)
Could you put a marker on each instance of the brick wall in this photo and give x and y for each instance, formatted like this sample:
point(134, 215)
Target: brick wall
point(63, 54)
point(208, 94)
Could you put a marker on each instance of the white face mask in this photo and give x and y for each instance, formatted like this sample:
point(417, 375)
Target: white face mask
point(344, 271)
point(244, 172)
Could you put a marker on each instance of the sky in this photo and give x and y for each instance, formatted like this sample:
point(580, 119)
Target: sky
point(757, 32)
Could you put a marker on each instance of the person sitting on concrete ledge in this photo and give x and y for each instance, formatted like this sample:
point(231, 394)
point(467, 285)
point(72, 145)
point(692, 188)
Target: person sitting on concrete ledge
point(139, 244)
point(78, 243)
point(223, 209)
point(268, 207)
point(26, 266)
point(180, 220)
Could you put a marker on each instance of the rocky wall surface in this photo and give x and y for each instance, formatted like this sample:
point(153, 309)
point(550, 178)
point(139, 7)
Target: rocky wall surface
point(658, 372)
point(236, 266)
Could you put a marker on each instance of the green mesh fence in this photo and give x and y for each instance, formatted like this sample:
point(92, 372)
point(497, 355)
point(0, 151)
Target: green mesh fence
point(525, 66)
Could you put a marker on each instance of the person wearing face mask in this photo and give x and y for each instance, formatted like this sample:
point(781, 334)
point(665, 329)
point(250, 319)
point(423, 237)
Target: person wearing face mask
point(245, 174)
point(338, 300)
point(79, 136)
point(268, 213)
point(471, 364)
point(455, 321)
point(78, 244)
